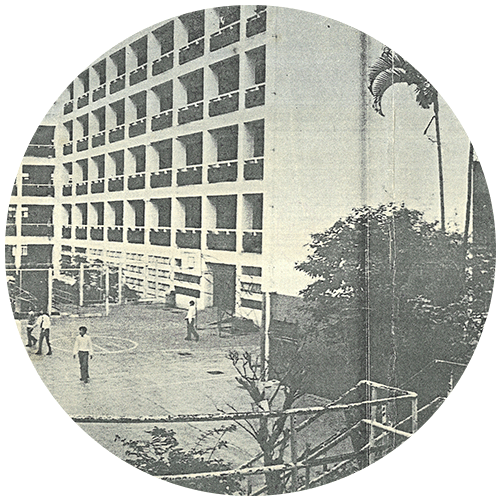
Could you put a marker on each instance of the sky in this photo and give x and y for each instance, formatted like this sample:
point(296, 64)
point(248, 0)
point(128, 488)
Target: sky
point(402, 161)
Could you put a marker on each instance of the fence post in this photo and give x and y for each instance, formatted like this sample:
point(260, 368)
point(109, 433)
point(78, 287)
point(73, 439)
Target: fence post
point(414, 415)
point(156, 280)
point(373, 418)
point(50, 276)
point(293, 451)
point(82, 278)
point(106, 290)
point(451, 382)
point(308, 469)
point(120, 268)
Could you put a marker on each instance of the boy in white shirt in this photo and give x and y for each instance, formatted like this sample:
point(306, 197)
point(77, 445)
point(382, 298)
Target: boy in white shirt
point(43, 322)
point(190, 318)
point(83, 347)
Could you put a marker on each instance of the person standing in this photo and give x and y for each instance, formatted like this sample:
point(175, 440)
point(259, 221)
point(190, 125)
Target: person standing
point(190, 319)
point(83, 347)
point(43, 322)
point(29, 329)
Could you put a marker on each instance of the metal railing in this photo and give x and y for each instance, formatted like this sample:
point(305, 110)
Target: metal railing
point(310, 458)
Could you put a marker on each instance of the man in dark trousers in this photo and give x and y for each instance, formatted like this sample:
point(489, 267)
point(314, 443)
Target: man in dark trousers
point(43, 322)
point(83, 347)
point(190, 319)
point(29, 329)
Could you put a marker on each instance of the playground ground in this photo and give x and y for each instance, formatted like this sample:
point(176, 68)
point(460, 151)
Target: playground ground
point(143, 367)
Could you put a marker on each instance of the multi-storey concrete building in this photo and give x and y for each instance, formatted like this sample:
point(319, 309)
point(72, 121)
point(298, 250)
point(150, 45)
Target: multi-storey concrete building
point(30, 230)
point(199, 155)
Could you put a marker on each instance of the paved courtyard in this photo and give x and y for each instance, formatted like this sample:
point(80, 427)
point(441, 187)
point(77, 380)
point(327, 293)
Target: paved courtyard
point(144, 367)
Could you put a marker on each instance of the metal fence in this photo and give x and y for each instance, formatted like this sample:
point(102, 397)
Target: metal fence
point(68, 289)
point(303, 466)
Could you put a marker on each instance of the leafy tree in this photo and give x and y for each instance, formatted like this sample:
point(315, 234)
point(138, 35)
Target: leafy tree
point(466, 315)
point(161, 455)
point(375, 268)
point(391, 68)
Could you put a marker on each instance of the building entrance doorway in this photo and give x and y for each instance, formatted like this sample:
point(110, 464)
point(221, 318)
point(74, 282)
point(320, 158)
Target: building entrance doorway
point(223, 294)
point(224, 287)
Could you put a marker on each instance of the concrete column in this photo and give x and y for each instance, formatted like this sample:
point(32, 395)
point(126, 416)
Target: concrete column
point(211, 85)
point(150, 215)
point(128, 217)
point(243, 147)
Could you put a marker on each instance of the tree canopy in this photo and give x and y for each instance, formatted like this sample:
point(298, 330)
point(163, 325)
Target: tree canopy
point(387, 282)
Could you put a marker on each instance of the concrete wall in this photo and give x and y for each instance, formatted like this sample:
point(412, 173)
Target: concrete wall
point(313, 149)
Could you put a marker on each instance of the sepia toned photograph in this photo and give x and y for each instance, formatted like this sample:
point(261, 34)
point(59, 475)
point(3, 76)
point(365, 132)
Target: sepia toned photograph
point(250, 251)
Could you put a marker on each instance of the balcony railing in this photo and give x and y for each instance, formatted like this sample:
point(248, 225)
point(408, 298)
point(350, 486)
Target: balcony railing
point(81, 232)
point(255, 96)
point(257, 24)
point(67, 148)
point(66, 232)
point(82, 188)
point(40, 151)
point(161, 179)
point(221, 240)
point(189, 176)
point(139, 74)
point(115, 234)
point(37, 229)
point(117, 84)
point(192, 51)
point(97, 186)
point(223, 104)
point(190, 113)
point(135, 235)
point(137, 128)
point(254, 169)
point(99, 93)
point(99, 139)
point(189, 238)
point(68, 107)
point(160, 236)
point(226, 36)
point(38, 190)
point(137, 181)
point(252, 241)
point(117, 134)
point(115, 184)
point(11, 230)
point(83, 101)
point(97, 233)
point(67, 190)
point(161, 121)
point(223, 172)
point(82, 144)
point(164, 63)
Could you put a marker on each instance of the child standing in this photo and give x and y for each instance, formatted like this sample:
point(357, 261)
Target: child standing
point(83, 347)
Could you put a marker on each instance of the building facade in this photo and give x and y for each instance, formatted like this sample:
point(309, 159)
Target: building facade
point(199, 155)
point(30, 226)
